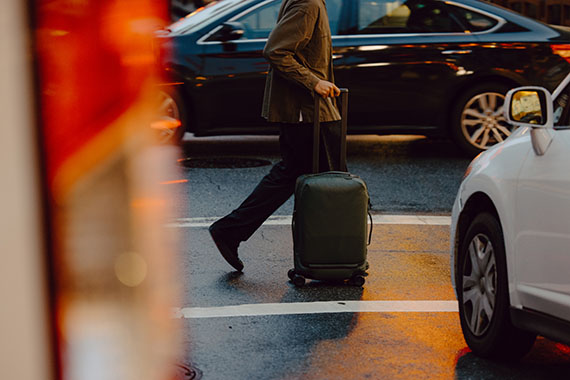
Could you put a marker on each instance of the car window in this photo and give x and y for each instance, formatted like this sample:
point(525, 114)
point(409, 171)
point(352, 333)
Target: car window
point(473, 21)
point(259, 22)
point(400, 16)
point(196, 19)
point(334, 10)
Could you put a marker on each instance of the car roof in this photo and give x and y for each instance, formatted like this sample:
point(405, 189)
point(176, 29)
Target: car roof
point(226, 7)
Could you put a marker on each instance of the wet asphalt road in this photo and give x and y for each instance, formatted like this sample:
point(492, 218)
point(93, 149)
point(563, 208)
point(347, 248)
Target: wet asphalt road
point(405, 175)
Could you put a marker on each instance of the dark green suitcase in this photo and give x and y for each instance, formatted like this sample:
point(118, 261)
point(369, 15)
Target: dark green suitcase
point(330, 230)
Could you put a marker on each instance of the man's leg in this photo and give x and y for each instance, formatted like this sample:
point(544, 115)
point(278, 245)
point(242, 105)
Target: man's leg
point(275, 188)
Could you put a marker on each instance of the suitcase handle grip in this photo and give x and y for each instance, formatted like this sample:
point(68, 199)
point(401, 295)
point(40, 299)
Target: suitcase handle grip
point(317, 129)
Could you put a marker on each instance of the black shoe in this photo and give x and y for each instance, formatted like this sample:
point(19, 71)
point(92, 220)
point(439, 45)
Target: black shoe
point(227, 249)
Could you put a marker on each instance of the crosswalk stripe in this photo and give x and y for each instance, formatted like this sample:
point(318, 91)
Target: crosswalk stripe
point(265, 309)
point(282, 220)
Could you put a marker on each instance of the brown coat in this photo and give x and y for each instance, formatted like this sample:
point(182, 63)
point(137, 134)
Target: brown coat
point(299, 50)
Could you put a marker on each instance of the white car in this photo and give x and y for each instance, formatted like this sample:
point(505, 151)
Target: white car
point(510, 230)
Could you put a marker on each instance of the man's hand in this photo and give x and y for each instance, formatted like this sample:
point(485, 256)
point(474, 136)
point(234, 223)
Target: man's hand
point(326, 89)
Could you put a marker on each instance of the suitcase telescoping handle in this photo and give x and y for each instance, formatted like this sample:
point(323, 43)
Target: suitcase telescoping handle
point(317, 129)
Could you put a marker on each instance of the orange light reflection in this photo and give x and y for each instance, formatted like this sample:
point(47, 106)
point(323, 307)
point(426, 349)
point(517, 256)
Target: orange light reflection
point(174, 182)
point(165, 124)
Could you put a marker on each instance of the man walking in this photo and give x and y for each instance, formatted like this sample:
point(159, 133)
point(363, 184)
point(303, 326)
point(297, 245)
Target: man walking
point(299, 51)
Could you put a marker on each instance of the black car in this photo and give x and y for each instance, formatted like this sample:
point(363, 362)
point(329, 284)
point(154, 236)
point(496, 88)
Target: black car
point(426, 67)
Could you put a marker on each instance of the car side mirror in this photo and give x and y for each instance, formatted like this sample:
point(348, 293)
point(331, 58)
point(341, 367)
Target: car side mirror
point(230, 31)
point(531, 107)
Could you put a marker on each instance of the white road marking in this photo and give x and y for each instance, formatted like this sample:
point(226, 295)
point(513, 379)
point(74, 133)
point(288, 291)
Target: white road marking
point(425, 220)
point(264, 309)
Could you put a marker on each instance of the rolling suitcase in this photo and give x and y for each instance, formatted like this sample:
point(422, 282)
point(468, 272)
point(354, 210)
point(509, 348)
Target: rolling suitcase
point(329, 226)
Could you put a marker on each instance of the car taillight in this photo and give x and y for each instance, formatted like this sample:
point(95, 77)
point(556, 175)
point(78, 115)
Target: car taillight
point(562, 50)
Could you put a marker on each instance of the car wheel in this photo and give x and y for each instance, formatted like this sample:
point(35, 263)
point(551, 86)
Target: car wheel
point(478, 122)
point(483, 294)
point(170, 123)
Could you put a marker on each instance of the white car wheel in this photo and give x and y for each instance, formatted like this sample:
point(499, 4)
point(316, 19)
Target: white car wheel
point(479, 284)
point(483, 294)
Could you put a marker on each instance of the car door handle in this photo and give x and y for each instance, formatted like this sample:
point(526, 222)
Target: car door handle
point(467, 51)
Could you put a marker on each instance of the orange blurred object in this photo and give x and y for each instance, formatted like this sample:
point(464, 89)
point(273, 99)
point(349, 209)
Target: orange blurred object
point(112, 259)
point(95, 59)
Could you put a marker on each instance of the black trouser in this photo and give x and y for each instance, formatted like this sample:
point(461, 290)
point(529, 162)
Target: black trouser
point(296, 145)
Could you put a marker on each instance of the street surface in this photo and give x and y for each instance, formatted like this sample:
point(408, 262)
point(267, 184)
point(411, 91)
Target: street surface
point(403, 323)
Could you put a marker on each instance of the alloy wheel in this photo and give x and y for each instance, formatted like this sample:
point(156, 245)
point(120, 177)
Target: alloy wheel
point(479, 288)
point(482, 120)
point(169, 120)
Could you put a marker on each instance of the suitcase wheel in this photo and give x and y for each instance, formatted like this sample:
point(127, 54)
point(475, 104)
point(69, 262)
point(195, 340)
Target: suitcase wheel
point(357, 280)
point(298, 280)
point(291, 274)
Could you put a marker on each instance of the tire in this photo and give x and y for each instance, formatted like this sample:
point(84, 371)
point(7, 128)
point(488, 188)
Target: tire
point(170, 123)
point(291, 274)
point(483, 294)
point(357, 280)
point(298, 280)
point(477, 118)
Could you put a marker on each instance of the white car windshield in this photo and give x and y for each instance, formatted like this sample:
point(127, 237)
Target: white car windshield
point(201, 15)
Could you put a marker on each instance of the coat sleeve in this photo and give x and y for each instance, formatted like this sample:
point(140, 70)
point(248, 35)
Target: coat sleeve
point(291, 34)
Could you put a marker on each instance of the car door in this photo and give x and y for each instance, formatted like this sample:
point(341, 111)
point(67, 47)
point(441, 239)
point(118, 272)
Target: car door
point(542, 234)
point(399, 58)
point(234, 71)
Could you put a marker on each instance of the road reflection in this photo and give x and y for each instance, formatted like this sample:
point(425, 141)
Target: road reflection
point(547, 360)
